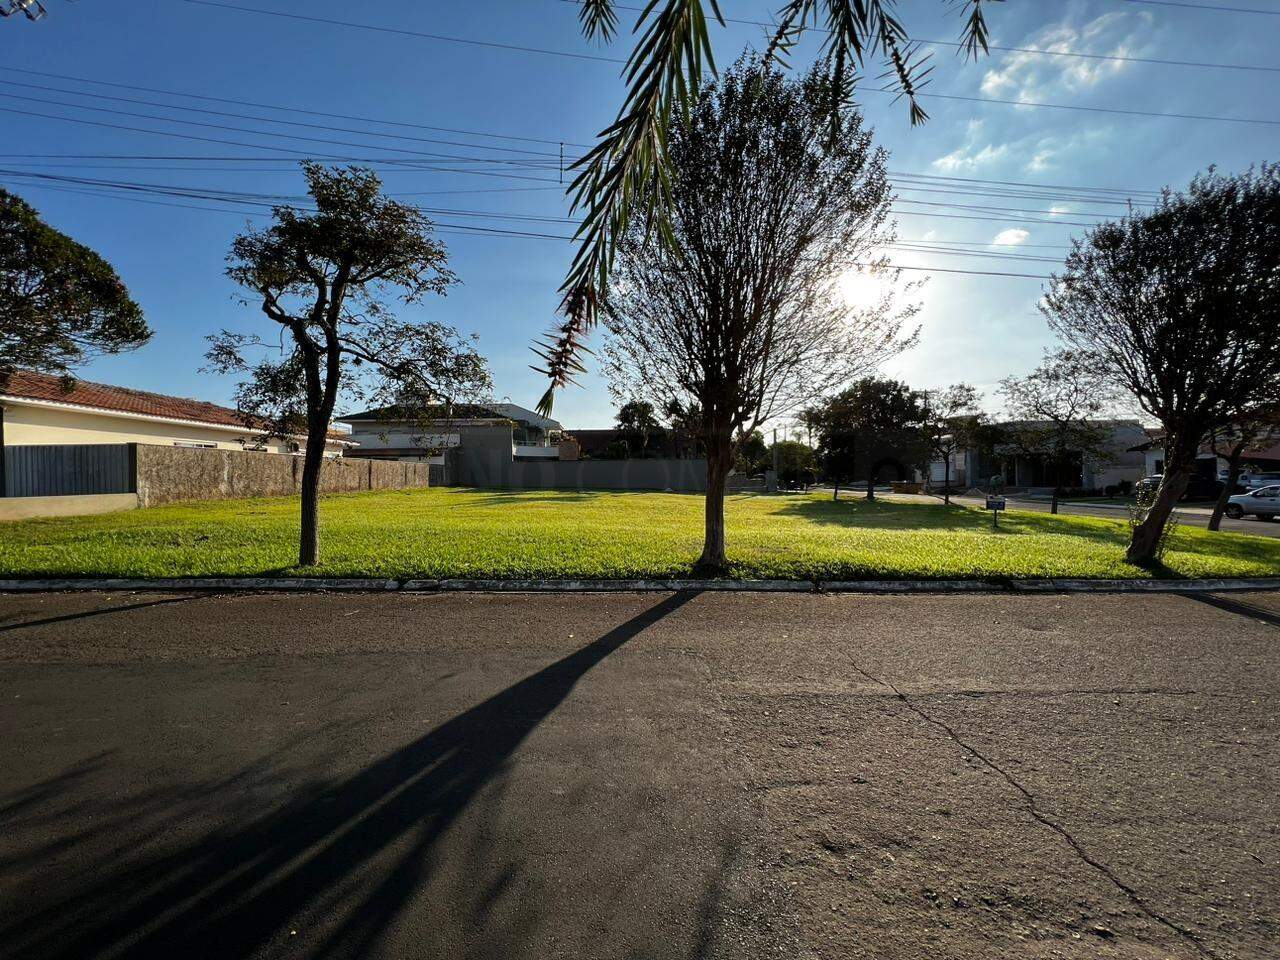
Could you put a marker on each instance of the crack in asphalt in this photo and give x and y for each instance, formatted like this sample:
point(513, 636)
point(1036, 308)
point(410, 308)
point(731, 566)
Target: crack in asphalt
point(1039, 816)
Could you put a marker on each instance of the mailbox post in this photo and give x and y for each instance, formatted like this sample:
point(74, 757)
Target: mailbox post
point(995, 505)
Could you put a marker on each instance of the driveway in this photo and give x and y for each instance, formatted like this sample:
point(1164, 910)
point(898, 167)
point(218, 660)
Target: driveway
point(639, 776)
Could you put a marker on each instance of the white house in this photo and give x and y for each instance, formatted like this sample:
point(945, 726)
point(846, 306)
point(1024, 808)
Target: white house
point(388, 433)
point(37, 409)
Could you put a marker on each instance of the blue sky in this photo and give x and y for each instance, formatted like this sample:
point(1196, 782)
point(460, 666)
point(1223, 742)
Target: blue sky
point(975, 328)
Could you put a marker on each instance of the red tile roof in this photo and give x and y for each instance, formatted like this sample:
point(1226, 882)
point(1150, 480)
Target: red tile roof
point(27, 384)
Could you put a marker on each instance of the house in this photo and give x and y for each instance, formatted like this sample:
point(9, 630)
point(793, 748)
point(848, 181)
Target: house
point(1265, 456)
point(976, 467)
point(37, 409)
point(390, 433)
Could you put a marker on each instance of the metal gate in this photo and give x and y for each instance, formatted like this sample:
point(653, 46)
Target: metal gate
point(69, 469)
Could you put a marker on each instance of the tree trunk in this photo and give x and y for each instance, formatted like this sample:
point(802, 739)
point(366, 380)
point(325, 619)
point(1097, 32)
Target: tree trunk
point(313, 461)
point(719, 459)
point(1233, 477)
point(1053, 500)
point(835, 494)
point(1146, 535)
point(946, 478)
point(871, 486)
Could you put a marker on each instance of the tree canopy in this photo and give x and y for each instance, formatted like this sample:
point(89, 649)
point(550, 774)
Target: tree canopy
point(1179, 303)
point(739, 315)
point(60, 303)
point(629, 169)
point(328, 280)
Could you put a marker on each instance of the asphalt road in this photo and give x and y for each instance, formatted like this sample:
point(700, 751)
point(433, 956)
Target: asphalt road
point(639, 776)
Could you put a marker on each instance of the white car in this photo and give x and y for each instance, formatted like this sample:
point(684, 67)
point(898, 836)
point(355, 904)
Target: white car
point(1263, 503)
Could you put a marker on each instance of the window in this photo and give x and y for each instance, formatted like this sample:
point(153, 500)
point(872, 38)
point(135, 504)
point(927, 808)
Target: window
point(192, 443)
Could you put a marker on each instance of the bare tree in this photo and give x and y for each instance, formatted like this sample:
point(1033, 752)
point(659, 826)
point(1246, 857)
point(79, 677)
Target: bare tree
point(1180, 304)
point(739, 313)
point(951, 416)
point(626, 174)
point(325, 280)
point(1056, 413)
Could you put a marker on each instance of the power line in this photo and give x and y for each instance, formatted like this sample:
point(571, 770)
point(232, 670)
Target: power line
point(579, 56)
point(435, 156)
point(924, 94)
point(1204, 6)
point(314, 113)
point(293, 123)
point(257, 202)
point(1032, 50)
point(261, 146)
point(410, 33)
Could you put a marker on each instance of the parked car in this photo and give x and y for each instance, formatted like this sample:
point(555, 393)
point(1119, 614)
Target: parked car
point(1263, 503)
point(1252, 481)
point(1198, 488)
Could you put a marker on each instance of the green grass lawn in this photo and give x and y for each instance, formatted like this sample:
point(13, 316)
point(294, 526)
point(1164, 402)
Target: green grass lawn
point(557, 534)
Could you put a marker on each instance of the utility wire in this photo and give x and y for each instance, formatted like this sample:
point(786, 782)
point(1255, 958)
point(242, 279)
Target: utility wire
point(1204, 6)
point(619, 60)
point(1032, 50)
point(314, 113)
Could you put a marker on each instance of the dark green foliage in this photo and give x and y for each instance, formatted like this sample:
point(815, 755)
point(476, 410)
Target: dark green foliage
point(327, 280)
point(871, 425)
point(638, 423)
point(60, 303)
point(1180, 305)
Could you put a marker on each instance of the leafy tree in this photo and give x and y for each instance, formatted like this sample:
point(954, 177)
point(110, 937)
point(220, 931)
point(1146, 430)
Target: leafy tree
point(1055, 413)
point(1230, 441)
point(60, 303)
point(874, 420)
point(326, 278)
point(638, 421)
point(797, 462)
point(739, 314)
point(951, 423)
point(630, 167)
point(1180, 303)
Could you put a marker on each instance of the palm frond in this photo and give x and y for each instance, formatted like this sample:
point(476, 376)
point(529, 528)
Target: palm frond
point(598, 19)
point(625, 174)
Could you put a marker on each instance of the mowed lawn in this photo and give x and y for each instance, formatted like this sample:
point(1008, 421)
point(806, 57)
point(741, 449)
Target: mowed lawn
point(481, 534)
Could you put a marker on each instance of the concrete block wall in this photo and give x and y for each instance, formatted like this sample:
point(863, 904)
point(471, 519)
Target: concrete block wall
point(173, 474)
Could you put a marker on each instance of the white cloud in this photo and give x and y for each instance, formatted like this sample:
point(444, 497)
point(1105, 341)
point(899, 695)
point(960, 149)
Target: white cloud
point(1011, 237)
point(1033, 76)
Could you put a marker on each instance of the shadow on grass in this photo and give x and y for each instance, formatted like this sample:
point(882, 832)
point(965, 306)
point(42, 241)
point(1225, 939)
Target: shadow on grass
point(890, 515)
point(329, 873)
point(504, 497)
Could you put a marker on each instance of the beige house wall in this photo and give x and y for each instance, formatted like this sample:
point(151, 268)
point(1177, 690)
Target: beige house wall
point(35, 425)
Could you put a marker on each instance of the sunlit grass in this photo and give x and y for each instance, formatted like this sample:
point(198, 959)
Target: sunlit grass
point(557, 534)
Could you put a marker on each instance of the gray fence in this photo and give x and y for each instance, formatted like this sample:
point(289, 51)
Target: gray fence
point(471, 467)
point(159, 474)
point(65, 470)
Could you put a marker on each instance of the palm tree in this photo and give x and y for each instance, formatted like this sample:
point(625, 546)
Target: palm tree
point(627, 170)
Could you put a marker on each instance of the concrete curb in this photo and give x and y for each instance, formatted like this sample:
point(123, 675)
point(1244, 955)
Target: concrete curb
point(369, 585)
point(1143, 586)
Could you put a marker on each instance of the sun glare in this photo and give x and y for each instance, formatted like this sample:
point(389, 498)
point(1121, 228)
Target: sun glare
point(862, 287)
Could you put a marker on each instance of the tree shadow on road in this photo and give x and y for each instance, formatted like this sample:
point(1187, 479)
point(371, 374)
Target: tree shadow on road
point(350, 856)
